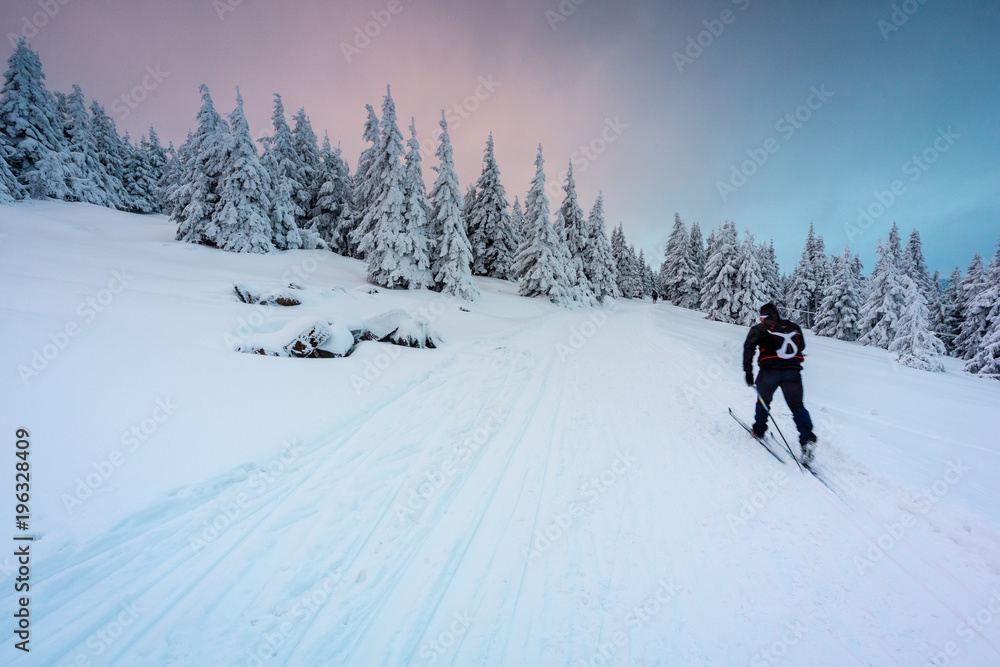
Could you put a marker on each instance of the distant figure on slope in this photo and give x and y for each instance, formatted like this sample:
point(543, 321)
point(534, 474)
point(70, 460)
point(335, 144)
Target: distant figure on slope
point(780, 360)
point(654, 298)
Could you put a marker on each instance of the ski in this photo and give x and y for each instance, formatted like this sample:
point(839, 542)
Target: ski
point(750, 431)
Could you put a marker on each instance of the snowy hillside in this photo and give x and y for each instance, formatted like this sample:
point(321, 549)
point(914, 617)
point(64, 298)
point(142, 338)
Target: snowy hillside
point(544, 487)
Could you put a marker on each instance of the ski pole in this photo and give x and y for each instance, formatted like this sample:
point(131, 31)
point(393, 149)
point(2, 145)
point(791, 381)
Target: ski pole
point(773, 421)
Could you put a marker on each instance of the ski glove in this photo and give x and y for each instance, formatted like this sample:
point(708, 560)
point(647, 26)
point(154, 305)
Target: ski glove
point(749, 378)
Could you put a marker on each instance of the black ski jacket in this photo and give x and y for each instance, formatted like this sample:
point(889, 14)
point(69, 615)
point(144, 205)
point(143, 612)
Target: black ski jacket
point(781, 346)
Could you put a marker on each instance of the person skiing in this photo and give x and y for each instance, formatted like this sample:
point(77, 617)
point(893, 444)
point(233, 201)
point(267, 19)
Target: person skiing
point(780, 360)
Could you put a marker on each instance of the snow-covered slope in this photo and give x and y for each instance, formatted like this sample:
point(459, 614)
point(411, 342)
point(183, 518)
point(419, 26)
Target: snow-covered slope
point(543, 488)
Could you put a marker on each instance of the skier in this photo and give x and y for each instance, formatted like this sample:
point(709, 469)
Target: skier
point(780, 360)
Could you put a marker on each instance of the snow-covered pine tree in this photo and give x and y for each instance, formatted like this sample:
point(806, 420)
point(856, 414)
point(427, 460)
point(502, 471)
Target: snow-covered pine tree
point(453, 258)
point(805, 291)
point(696, 254)
point(936, 304)
point(158, 160)
point(415, 206)
point(492, 235)
point(968, 341)
point(364, 183)
point(914, 345)
point(138, 178)
point(110, 152)
point(840, 309)
point(309, 171)
point(986, 362)
point(982, 312)
point(517, 220)
point(10, 189)
point(599, 261)
point(195, 198)
point(242, 217)
point(675, 283)
point(769, 268)
point(93, 186)
point(953, 311)
point(572, 226)
point(541, 265)
point(750, 283)
point(719, 287)
point(30, 121)
point(284, 229)
point(384, 246)
point(915, 267)
point(468, 204)
point(884, 306)
point(333, 216)
point(635, 277)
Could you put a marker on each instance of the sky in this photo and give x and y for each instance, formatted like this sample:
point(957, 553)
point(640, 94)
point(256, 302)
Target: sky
point(849, 115)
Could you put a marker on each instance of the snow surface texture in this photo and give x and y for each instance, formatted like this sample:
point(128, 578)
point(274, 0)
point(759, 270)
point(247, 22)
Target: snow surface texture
point(546, 487)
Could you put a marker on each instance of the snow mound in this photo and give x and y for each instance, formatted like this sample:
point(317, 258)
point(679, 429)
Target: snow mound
point(298, 338)
point(277, 297)
point(400, 328)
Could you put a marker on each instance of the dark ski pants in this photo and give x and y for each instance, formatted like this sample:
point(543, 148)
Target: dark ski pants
point(790, 381)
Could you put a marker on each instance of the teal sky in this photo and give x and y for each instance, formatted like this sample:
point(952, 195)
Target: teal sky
point(660, 125)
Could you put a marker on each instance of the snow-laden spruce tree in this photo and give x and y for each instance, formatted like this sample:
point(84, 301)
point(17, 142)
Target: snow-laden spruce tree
point(676, 273)
point(987, 360)
point(599, 261)
point(982, 312)
point(195, 197)
point(769, 267)
point(242, 217)
point(111, 152)
point(806, 288)
point(968, 339)
point(492, 234)
point(93, 186)
point(518, 222)
point(306, 147)
point(30, 121)
point(750, 283)
point(453, 258)
point(284, 229)
point(952, 311)
point(541, 264)
point(884, 306)
point(158, 160)
point(697, 261)
point(718, 298)
point(914, 345)
point(840, 310)
point(623, 265)
point(364, 182)
point(572, 227)
point(138, 177)
point(415, 207)
point(384, 247)
point(10, 189)
point(333, 216)
point(914, 266)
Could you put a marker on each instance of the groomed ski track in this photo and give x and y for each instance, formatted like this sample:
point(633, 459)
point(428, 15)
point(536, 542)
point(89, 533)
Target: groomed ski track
point(612, 514)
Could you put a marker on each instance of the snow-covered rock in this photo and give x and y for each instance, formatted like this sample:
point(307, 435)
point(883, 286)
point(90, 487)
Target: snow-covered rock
point(400, 328)
point(275, 297)
point(298, 338)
